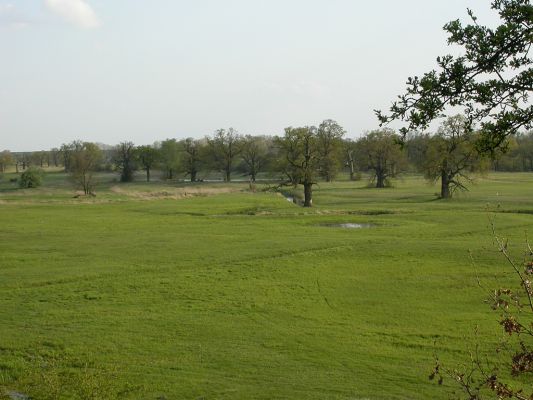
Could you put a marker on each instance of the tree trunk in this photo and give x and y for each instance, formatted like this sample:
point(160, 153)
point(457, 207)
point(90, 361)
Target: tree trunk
point(445, 186)
point(380, 179)
point(228, 175)
point(147, 174)
point(308, 195)
point(252, 176)
point(193, 175)
point(352, 171)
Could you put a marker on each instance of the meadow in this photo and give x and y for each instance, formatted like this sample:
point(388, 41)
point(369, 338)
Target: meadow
point(213, 291)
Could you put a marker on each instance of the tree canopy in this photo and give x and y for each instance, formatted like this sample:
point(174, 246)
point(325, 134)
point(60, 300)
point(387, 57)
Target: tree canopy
point(451, 156)
point(492, 80)
point(381, 155)
point(300, 151)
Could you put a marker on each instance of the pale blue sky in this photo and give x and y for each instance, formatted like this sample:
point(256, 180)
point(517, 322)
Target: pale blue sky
point(114, 70)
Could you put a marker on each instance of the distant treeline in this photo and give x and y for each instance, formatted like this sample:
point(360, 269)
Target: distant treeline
point(301, 156)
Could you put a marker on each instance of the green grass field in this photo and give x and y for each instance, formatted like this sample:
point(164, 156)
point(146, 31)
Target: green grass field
point(210, 291)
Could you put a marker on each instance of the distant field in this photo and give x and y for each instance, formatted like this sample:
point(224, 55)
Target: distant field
point(210, 291)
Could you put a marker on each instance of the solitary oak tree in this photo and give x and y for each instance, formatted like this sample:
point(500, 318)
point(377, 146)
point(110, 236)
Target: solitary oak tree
point(191, 158)
point(224, 147)
point(381, 154)
point(148, 156)
point(255, 152)
point(84, 160)
point(451, 156)
point(124, 158)
point(300, 150)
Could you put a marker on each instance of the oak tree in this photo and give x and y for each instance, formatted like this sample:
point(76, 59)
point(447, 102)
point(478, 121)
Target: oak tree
point(492, 79)
point(300, 151)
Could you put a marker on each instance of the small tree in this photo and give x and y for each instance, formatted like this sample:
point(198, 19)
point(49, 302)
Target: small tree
point(40, 158)
point(64, 152)
point(451, 156)
point(32, 177)
point(6, 159)
point(192, 157)
point(54, 156)
point(124, 158)
point(148, 157)
point(349, 148)
point(254, 155)
point(169, 151)
point(300, 150)
point(381, 154)
point(329, 136)
point(84, 160)
point(224, 148)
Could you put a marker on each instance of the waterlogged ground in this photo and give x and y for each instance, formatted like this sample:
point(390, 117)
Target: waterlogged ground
point(216, 292)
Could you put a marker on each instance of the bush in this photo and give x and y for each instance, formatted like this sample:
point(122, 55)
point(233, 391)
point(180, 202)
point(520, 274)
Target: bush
point(31, 178)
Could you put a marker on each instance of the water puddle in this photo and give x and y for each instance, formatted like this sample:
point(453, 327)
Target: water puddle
point(350, 225)
point(290, 198)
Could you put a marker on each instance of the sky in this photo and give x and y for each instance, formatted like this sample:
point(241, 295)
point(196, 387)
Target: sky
point(143, 70)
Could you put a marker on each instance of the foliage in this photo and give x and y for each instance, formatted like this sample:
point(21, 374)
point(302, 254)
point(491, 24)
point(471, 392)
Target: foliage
point(31, 178)
point(54, 155)
point(381, 154)
point(65, 152)
point(191, 162)
point(451, 156)
point(518, 155)
point(255, 154)
point(85, 158)
point(39, 158)
point(224, 148)
point(148, 156)
point(350, 154)
point(169, 151)
point(124, 159)
point(492, 80)
point(329, 135)
point(6, 159)
point(301, 154)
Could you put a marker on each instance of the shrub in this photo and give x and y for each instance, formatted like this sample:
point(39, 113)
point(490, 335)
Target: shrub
point(31, 178)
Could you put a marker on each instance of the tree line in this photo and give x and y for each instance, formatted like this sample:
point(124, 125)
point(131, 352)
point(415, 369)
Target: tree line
point(301, 156)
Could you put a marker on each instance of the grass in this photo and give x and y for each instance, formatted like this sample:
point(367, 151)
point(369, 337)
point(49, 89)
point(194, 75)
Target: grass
point(228, 294)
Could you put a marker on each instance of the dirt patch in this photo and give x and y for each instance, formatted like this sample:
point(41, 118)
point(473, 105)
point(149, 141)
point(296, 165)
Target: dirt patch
point(174, 193)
